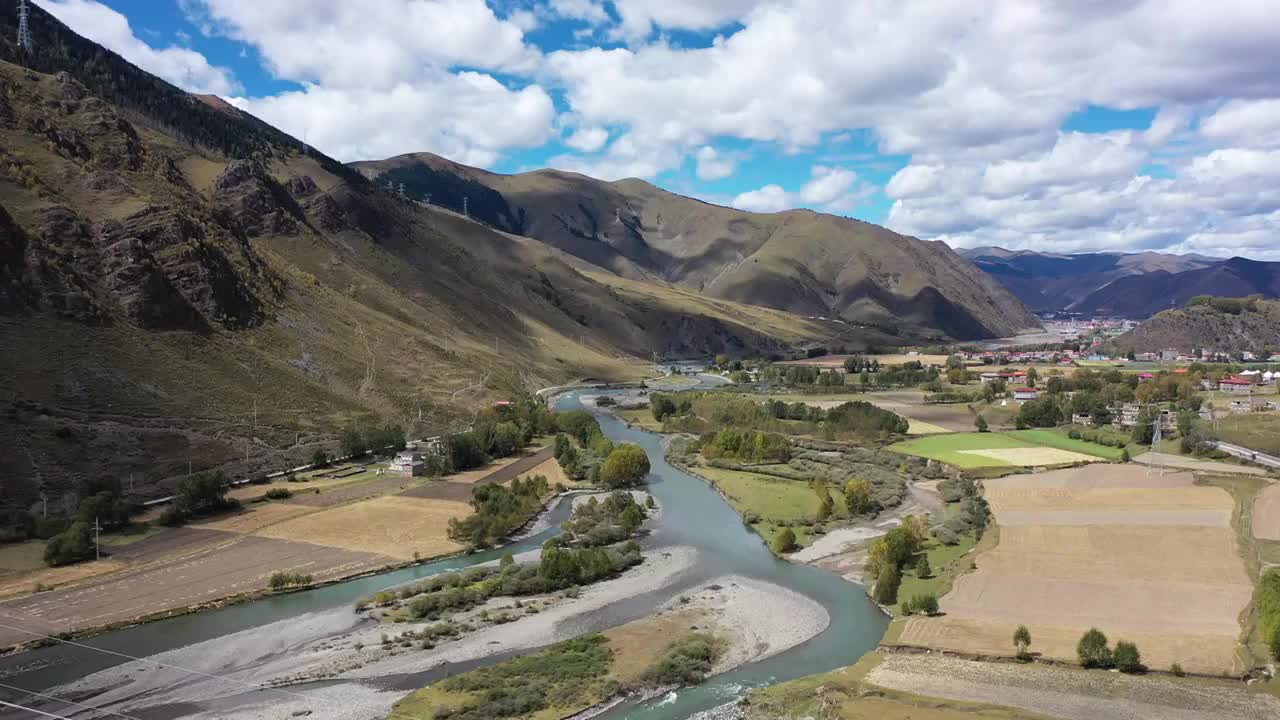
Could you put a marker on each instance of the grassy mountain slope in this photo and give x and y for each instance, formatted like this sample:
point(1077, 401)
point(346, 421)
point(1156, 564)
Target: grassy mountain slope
point(1139, 296)
point(1204, 327)
point(180, 284)
point(804, 262)
point(1051, 282)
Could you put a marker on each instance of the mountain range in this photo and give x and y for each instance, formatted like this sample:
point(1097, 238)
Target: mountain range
point(800, 261)
point(183, 286)
point(1131, 285)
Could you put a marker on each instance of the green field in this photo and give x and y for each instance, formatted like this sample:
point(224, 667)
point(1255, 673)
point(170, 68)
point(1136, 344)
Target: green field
point(1057, 437)
point(950, 448)
point(1256, 431)
point(776, 502)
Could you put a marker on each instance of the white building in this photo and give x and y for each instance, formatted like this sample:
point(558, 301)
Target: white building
point(409, 463)
point(1025, 393)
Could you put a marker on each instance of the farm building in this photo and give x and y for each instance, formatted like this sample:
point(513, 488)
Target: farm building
point(1253, 404)
point(409, 463)
point(1025, 393)
point(1236, 385)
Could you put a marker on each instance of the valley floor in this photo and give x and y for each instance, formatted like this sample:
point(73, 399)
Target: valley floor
point(329, 530)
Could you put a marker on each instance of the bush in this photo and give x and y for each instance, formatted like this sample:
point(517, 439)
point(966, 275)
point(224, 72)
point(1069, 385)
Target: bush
point(685, 662)
point(1126, 658)
point(283, 580)
point(926, 603)
point(278, 494)
point(319, 459)
point(784, 542)
point(1092, 650)
point(1177, 670)
point(945, 535)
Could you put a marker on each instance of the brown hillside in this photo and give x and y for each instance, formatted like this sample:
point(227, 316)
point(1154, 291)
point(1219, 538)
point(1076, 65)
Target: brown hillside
point(800, 261)
point(1205, 328)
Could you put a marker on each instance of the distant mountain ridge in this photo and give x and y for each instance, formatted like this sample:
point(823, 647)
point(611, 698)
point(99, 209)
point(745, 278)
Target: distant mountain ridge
point(800, 261)
point(1133, 285)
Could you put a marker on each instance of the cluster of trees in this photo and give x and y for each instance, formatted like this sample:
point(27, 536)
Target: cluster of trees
point(1094, 394)
point(71, 540)
point(563, 675)
point(1092, 651)
point(747, 446)
point(499, 510)
point(888, 555)
point(199, 496)
point(356, 441)
point(596, 523)
point(857, 364)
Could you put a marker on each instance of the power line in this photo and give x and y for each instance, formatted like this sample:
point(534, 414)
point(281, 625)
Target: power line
point(38, 712)
point(200, 673)
point(69, 702)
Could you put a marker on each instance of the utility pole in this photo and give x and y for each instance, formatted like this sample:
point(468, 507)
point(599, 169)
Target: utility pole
point(97, 531)
point(466, 202)
point(44, 505)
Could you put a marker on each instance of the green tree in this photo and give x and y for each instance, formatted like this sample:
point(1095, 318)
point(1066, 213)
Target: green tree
point(857, 496)
point(1022, 640)
point(981, 424)
point(1092, 650)
point(922, 567)
point(70, 546)
point(1126, 658)
point(886, 592)
point(626, 466)
point(320, 458)
point(661, 406)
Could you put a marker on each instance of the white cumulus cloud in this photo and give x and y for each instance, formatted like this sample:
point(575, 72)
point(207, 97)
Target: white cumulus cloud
point(185, 68)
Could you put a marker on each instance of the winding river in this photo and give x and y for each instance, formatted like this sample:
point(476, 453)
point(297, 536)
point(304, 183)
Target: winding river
point(693, 514)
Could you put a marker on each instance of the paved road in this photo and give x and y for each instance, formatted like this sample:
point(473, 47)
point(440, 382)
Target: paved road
point(1247, 454)
point(1182, 462)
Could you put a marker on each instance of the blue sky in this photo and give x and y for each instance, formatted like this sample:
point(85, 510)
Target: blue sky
point(1061, 127)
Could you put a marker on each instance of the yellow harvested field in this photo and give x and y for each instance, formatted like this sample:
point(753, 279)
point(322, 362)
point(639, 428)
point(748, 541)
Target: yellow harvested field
point(257, 517)
point(1031, 456)
point(55, 577)
point(1266, 513)
point(920, 427)
point(397, 526)
point(550, 470)
point(1100, 476)
point(1083, 548)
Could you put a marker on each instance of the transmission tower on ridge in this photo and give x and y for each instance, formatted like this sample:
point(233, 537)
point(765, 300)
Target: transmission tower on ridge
point(24, 29)
point(1157, 461)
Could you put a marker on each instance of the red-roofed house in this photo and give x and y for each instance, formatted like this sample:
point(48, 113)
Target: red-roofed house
point(1143, 377)
point(1025, 393)
point(1235, 385)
